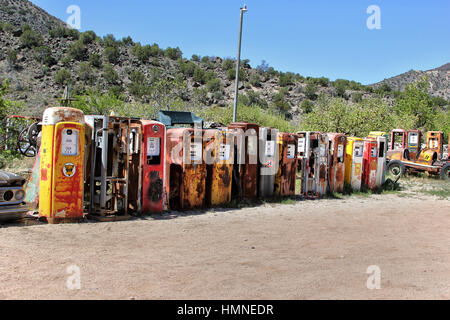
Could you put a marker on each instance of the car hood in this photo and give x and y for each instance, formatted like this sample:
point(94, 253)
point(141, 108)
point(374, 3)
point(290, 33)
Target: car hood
point(10, 179)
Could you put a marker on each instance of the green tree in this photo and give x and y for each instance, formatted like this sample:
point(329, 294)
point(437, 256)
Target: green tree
point(85, 73)
point(112, 54)
point(310, 91)
point(214, 85)
point(307, 106)
point(109, 74)
point(43, 54)
point(416, 102)
point(95, 60)
point(88, 37)
point(78, 51)
point(62, 77)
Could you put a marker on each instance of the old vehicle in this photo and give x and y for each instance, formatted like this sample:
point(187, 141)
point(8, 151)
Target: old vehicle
point(12, 195)
point(414, 158)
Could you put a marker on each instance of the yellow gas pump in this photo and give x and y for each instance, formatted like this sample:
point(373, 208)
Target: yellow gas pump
point(62, 165)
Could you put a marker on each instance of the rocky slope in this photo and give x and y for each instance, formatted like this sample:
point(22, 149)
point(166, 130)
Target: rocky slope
point(38, 72)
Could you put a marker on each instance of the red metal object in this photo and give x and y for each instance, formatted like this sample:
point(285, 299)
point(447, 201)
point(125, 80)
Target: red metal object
point(185, 169)
point(336, 170)
point(370, 164)
point(153, 166)
point(287, 172)
point(246, 168)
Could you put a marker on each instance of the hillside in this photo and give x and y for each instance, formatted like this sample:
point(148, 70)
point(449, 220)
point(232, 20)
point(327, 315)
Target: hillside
point(40, 56)
point(439, 81)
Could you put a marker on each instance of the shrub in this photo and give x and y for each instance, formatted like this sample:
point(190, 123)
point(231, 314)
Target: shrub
point(199, 75)
point(5, 26)
point(85, 72)
point(173, 53)
point(110, 75)
point(187, 68)
point(279, 100)
point(214, 85)
point(143, 53)
point(252, 98)
point(310, 91)
point(112, 54)
point(255, 80)
point(286, 79)
point(195, 58)
point(128, 41)
point(12, 57)
point(95, 60)
point(30, 39)
point(228, 64)
point(64, 32)
point(231, 75)
point(44, 55)
point(110, 41)
point(88, 37)
point(307, 106)
point(62, 77)
point(137, 86)
point(77, 51)
point(357, 97)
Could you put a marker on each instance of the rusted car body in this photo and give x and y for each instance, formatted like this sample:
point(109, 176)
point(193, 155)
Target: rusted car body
point(185, 169)
point(246, 167)
point(268, 155)
point(429, 159)
point(219, 157)
point(337, 143)
point(153, 166)
point(12, 205)
point(370, 164)
point(285, 179)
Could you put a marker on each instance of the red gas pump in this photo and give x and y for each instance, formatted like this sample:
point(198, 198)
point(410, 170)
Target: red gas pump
point(153, 166)
point(370, 164)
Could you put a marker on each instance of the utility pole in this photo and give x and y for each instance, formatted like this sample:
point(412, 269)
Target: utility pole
point(238, 65)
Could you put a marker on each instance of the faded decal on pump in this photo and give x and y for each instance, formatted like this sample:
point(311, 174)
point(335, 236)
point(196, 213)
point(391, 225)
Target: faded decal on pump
point(322, 150)
point(69, 170)
point(252, 145)
point(373, 152)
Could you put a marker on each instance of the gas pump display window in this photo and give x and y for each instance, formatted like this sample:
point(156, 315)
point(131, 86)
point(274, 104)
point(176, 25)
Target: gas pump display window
point(196, 151)
point(301, 145)
point(69, 142)
point(358, 151)
point(270, 148)
point(251, 145)
point(153, 151)
point(225, 152)
point(381, 151)
point(413, 140)
point(291, 151)
point(340, 153)
point(373, 152)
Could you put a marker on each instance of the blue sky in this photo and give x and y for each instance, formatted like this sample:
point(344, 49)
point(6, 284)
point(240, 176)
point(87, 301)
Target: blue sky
point(313, 38)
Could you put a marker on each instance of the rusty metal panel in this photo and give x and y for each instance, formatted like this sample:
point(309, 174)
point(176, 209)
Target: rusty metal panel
point(370, 164)
point(286, 176)
point(185, 169)
point(268, 155)
point(135, 166)
point(115, 148)
point(219, 158)
point(337, 144)
point(246, 167)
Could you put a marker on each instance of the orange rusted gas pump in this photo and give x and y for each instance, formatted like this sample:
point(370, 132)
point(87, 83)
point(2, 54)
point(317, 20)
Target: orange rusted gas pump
point(370, 164)
point(336, 169)
point(286, 176)
point(219, 156)
point(62, 165)
point(185, 169)
point(153, 166)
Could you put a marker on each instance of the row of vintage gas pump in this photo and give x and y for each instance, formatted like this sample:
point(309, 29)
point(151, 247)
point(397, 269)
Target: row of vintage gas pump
point(112, 167)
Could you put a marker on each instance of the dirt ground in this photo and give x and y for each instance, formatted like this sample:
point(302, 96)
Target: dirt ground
point(305, 250)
